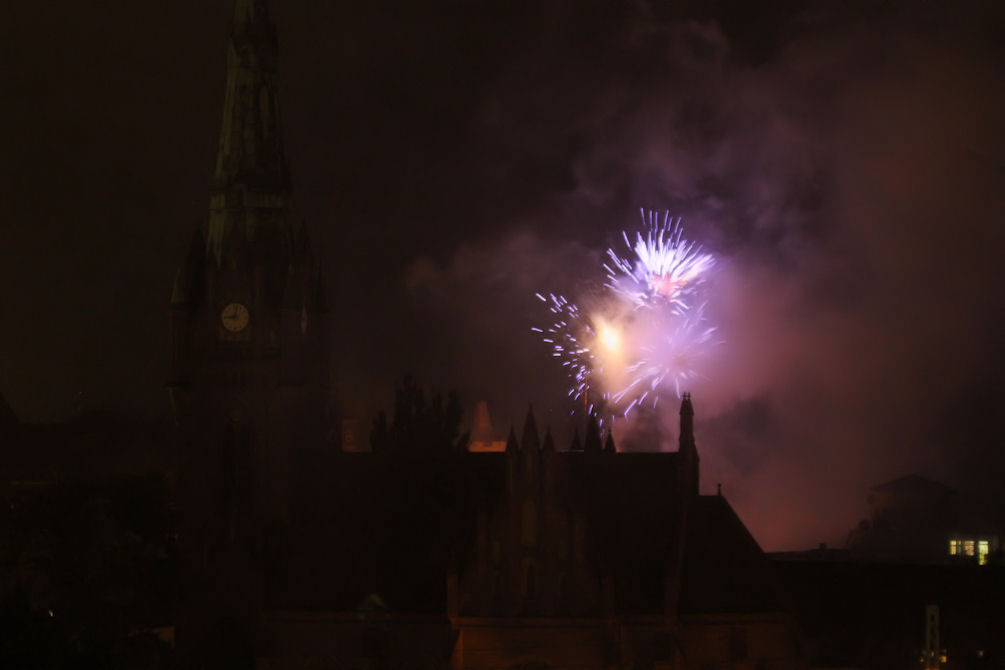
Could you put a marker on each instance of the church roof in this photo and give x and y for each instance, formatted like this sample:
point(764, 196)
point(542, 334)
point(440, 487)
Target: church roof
point(725, 570)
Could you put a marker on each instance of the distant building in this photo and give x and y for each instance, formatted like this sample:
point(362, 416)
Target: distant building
point(917, 520)
point(882, 615)
point(920, 584)
point(483, 437)
point(296, 554)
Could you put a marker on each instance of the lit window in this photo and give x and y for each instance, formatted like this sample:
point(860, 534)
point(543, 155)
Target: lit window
point(954, 547)
point(968, 547)
point(983, 549)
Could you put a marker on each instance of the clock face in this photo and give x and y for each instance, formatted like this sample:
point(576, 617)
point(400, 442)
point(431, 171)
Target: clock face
point(234, 317)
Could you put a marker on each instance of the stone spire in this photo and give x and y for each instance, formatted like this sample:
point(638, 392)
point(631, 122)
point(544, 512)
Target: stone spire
point(577, 444)
point(593, 442)
point(531, 440)
point(686, 424)
point(609, 444)
point(511, 444)
point(687, 450)
point(251, 182)
point(549, 443)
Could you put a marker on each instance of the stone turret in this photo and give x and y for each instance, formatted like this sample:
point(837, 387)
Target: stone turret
point(549, 443)
point(577, 444)
point(530, 447)
point(594, 442)
point(511, 444)
point(530, 441)
point(609, 444)
point(687, 449)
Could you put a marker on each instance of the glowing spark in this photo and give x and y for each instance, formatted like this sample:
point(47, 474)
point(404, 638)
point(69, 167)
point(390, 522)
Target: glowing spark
point(609, 337)
point(673, 359)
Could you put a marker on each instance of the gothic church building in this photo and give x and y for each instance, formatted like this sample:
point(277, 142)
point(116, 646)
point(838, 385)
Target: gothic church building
point(295, 554)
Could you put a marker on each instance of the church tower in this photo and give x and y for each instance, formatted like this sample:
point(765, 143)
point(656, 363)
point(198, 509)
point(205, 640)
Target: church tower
point(249, 366)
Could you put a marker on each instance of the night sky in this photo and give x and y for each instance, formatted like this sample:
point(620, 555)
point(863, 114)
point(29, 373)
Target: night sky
point(844, 162)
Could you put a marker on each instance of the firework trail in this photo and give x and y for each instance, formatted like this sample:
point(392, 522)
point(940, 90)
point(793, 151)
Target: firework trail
point(568, 337)
point(647, 333)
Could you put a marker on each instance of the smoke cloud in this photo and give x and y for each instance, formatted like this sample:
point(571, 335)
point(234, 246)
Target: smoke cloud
point(848, 183)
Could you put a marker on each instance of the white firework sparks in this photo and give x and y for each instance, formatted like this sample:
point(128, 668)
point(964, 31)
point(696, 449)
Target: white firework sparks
point(648, 335)
point(665, 267)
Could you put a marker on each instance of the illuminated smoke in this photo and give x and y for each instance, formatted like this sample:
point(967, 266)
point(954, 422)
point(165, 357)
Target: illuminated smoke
point(647, 334)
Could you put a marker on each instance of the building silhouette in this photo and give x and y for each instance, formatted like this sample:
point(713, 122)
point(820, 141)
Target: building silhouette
point(295, 553)
point(913, 519)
